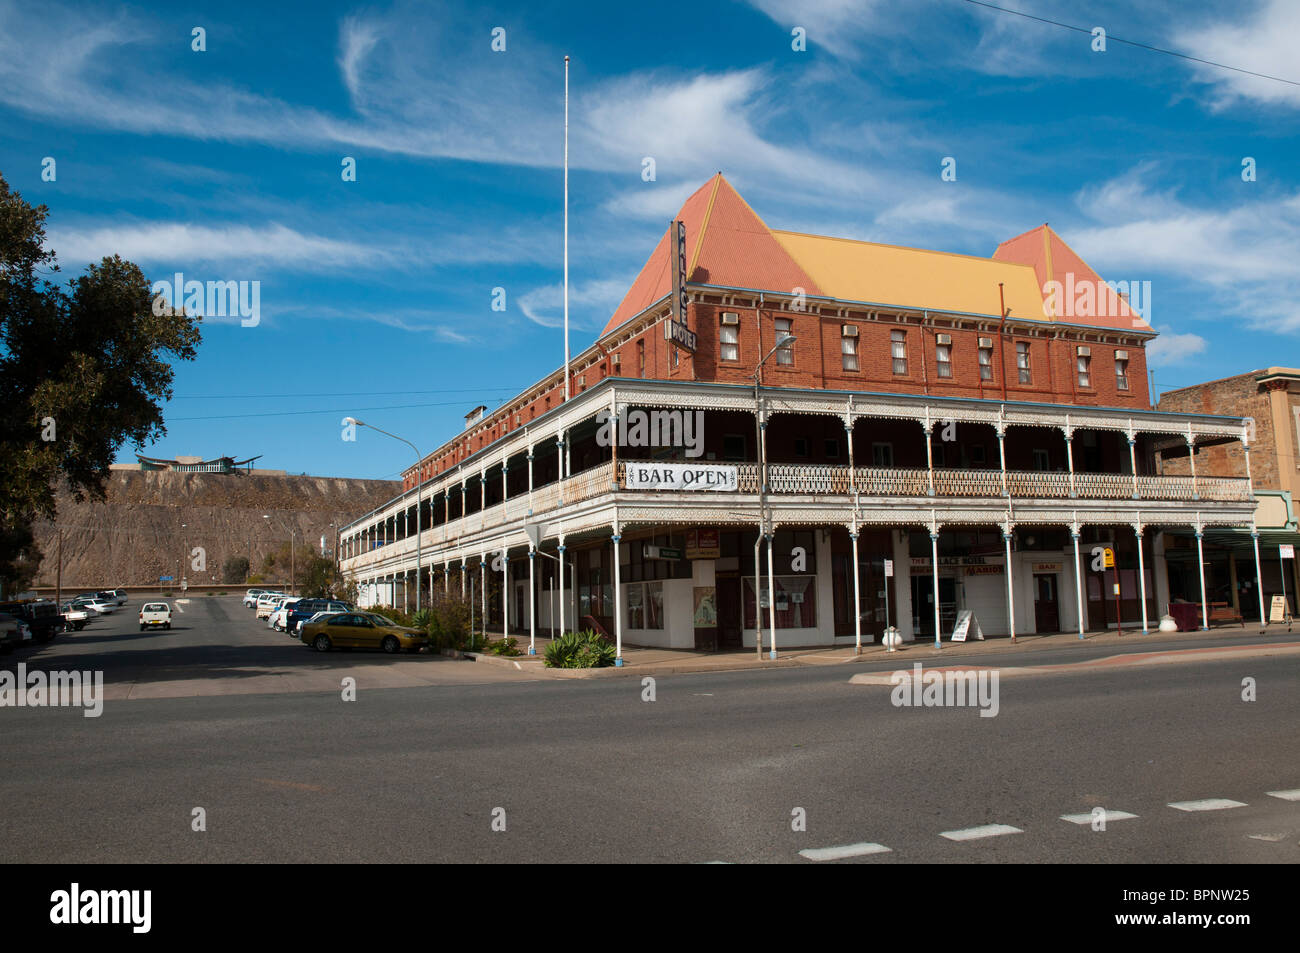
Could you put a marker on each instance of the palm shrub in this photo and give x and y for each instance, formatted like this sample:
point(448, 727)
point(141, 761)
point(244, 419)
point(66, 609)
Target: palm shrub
point(584, 649)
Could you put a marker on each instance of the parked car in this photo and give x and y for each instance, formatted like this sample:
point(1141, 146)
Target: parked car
point(266, 603)
point(13, 631)
point(121, 596)
point(296, 632)
point(250, 597)
point(41, 615)
point(155, 613)
point(362, 630)
point(75, 616)
point(304, 609)
point(278, 617)
point(99, 606)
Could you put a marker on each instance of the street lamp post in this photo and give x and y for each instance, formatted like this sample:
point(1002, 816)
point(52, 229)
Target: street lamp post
point(419, 491)
point(761, 446)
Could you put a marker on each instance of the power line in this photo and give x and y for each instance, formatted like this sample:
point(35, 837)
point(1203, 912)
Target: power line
point(1141, 46)
point(299, 413)
point(373, 393)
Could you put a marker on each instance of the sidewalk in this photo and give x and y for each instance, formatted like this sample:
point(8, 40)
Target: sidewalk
point(652, 661)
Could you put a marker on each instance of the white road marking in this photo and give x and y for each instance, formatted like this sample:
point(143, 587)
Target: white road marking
point(986, 830)
point(844, 850)
point(1084, 819)
point(1285, 795)
point(1271, 838)
point(178, 607)
point(1208, 804)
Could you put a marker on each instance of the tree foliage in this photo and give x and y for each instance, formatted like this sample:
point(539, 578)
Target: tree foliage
point(84, 368)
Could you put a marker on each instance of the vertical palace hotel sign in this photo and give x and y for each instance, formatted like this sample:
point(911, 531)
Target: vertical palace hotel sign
point(676, 329)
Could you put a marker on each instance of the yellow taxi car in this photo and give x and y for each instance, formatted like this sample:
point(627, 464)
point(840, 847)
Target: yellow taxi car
point(361, 630)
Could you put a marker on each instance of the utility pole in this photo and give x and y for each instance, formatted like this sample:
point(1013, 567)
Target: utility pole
point(58, 576)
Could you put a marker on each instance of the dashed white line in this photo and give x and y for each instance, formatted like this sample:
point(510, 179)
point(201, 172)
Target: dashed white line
point(1285, 795)
point(1208, 804)
point(1108, 816)
point(986, 830)
point(844, 850)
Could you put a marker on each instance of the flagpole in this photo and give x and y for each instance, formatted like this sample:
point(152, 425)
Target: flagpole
point(566, 228)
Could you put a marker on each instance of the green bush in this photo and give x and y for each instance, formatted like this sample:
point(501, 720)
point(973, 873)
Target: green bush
point(584, 649)
point(508, 647)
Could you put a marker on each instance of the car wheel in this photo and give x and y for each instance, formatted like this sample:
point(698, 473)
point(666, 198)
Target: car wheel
point(391, 645)
point(142, 628)
point(322, 643)
point(167, 625)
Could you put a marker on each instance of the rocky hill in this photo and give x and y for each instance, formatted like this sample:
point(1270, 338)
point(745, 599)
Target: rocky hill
point(136, 535)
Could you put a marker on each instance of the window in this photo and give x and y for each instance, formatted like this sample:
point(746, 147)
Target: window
point(849, 353)
point(882, 454)
point(645, 605)
point(1084, 359)
point(729, 342)
point(898, 347)
point(801, 446)
point(1022, 362)
point(1121, 370)
point(986, 359)
point(832, 448)
point(640, 356)
point(943, 355)
point(1042, 461)
point(733, 446)
point(784, 355)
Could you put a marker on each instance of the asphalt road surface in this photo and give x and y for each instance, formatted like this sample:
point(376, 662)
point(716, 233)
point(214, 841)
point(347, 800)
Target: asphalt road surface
point(436, 755)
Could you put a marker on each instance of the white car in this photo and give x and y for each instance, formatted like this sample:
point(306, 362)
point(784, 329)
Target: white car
point(250, 597)
point(100, 606)
point(279, 618)
point(155, 613)
point(267, 602)
point(121, 596)
point(75, 616)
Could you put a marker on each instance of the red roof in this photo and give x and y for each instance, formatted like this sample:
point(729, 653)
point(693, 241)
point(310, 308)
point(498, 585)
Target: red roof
point(1053, 260)
point(726, 244)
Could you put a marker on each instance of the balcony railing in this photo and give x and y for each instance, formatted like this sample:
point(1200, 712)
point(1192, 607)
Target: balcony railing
point(811, 480)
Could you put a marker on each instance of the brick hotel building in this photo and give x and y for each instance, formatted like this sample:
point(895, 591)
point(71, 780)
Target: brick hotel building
point(954, 415)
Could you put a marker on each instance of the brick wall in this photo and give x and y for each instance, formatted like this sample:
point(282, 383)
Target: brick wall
point(1239, 396)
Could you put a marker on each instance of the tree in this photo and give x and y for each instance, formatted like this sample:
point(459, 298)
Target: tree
point(235, 570)
point(83, 369)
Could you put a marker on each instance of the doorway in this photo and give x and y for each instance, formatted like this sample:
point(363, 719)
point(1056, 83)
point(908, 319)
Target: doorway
point(729, 628)
point(1047, 612)
point(923, 604)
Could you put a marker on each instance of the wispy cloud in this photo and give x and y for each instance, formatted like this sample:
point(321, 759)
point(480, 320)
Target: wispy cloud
point(1262, 40)
point(1171, 348)
point(1244, 254)
point(595, 300)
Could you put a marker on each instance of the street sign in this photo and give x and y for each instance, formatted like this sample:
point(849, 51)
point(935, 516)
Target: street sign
point(661, 552)
point(1286, 551)
point(1277, 610)
point(165, 578)
point(889, 568)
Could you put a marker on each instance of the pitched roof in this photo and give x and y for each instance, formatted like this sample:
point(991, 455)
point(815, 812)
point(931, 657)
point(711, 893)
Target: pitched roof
point(1053, 260)
point(914, 278)
point(728, 244)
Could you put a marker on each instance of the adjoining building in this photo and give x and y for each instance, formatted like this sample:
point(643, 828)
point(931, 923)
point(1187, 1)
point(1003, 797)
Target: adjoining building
point(857, 435)
point(1270, 400)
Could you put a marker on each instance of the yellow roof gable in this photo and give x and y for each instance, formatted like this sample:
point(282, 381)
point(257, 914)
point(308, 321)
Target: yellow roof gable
point(914, 278)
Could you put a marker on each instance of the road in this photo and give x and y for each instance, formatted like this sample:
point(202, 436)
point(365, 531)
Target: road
point(713, 769)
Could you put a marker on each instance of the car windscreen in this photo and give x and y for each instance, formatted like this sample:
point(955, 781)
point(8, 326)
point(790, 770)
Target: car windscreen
point(378, 619)
point(155, 607)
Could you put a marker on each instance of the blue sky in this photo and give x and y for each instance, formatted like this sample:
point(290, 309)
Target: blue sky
point(376, 295)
